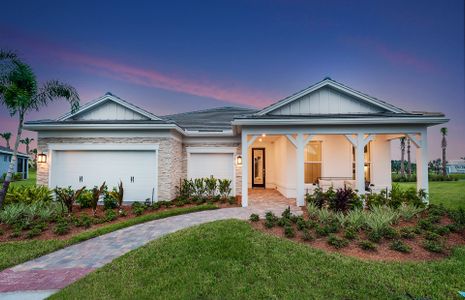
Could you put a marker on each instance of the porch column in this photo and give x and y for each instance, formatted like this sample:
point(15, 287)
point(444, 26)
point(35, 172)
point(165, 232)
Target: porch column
point(300, 187)
point(245, 175)
point(422, 163)
point(360, 164)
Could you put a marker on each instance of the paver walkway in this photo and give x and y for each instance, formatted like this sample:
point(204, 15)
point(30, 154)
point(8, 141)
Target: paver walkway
point(61, 268)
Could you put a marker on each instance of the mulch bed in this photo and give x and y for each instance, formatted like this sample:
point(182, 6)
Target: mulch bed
point(48, 233)
point(382, 253)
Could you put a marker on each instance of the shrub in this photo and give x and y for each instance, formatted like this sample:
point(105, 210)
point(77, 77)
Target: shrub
point(441, 230)
point(407, 232)
point(138, 208)
point(325, 215)
point(301, 224)
point(21, 213)
point(312, 210)
point(367, 245)
point(425, 224)
point(15, 233)
point(96, 192)
point(380, 218)
point(67, 196)
point(310, 224)
point(337, 242)
point(33, 233)
point(2, 232)
point(254, 218)
point(210, 186)
point(109, 202)
point(344, 199)
point(355, 218)
point(306, 235)
point(269, 224)
point(322, 230)
point(374, 236)
point(400, 246)
point(284, 222)
point(408, 211)
point(350, 233)
point(437, 210)
point(318, 198)
point(85, 221)
point(61, 228)
point(155, 205)
point(289, 231)
point(431, 236)
point(269, 216)
point(199, 187)
point(390, 233)
point(85, 199)
point(110, 215)
point(458, 216)
point(224, 188)
point(27, 194)
point(433, 246)
point(117, 194)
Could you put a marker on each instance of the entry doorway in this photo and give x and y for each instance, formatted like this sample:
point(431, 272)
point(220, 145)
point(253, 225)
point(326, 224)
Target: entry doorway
point(258, 167)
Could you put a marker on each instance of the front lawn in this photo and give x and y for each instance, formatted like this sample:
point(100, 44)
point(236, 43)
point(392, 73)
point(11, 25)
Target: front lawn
point(30, 181)
point(13, 253)
point(230, 260)
point(449, 193)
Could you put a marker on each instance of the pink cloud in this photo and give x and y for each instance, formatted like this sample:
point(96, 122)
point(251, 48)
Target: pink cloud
point(118, 70)
point(394, 56)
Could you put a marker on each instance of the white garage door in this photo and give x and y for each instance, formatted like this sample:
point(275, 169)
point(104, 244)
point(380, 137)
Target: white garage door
point(136, 169)
point(218, 165)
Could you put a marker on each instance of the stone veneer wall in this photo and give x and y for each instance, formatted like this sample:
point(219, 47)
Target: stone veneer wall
point(238, 180)
point(169, 159)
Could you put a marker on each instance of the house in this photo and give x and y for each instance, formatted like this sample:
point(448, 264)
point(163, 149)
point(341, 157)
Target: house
point(21, 163)
point(455, 166)
point(327, 134)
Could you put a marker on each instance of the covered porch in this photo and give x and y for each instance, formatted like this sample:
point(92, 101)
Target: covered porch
point(294, 161)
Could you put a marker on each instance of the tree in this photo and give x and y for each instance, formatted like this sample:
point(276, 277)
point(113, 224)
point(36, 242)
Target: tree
point(444, 147)
point(409, 161)
point(402, 156)
point(26, 141)
point(20, 94)
point(6, 136)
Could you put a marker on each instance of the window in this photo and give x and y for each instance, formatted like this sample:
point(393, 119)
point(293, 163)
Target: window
point(312, 169)
point(367, 168)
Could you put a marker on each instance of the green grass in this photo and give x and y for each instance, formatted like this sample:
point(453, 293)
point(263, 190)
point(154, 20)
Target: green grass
point(230, 260)
point(30, 181)
point(449, 193)
point(13, 253)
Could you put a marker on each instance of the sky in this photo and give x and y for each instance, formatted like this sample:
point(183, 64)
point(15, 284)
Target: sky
point(176, 56)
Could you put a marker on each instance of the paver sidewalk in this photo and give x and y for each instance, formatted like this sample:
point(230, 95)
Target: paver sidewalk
point(61, 268)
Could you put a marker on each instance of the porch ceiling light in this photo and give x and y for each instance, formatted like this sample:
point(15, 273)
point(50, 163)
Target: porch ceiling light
point(42, 158)
point(263, 135)
point(239, 160)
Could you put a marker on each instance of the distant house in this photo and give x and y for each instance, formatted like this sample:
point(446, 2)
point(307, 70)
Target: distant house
point(21, 164)
point(456, 166)
point(327, 135)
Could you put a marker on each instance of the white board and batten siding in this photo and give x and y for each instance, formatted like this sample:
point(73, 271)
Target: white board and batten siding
point(110, 110)
point(326, 101)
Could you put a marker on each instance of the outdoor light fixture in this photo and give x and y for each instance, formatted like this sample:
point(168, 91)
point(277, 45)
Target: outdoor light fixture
point(263, 135)
point(239, 160)
point(42, 158)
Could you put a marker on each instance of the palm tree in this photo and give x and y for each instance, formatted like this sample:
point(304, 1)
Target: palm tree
point(402, 156)
point(20, 94)
point(6, 136)
point(409, 161)
point(26, 141)
point(444, 146)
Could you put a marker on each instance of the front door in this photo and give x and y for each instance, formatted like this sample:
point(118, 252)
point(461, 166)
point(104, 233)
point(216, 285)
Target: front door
point(258, 167)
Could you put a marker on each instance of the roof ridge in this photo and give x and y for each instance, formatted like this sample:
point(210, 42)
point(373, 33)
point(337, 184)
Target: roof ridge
point(208, 109)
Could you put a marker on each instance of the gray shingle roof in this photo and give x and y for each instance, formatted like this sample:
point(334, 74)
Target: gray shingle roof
point(209, 119)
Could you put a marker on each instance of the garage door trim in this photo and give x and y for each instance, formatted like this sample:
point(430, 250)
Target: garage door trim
point(52, 147)
point(206, 150)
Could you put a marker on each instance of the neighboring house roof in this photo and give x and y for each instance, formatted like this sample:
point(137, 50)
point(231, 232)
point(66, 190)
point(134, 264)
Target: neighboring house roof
point(209, 119)
point(6, 150)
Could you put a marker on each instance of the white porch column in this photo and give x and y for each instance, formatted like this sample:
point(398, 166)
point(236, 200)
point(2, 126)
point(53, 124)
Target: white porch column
point(422, 163)
point(360, 164)
point(300, 187)
point(245, 174)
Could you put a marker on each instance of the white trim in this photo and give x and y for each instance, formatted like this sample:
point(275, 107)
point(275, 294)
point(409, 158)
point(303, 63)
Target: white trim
point(334, 85)
point(252, 140)
point(342, 121)
point(414, 140)
point(104, 146)
point(351, 139)
point(103, 99)
point(292, 139)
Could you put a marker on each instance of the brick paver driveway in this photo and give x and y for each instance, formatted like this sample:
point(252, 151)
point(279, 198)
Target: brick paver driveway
point(61, 268)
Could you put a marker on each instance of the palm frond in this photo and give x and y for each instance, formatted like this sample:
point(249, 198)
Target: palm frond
point(53, 90)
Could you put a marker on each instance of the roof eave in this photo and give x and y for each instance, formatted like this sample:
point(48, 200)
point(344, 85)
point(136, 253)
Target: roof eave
point(341, 121)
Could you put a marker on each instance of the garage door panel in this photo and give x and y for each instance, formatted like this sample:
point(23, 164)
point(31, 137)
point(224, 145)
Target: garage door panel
point(218, 165)
point(95, 167)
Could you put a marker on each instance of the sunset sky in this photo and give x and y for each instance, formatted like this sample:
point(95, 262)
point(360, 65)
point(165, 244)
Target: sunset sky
point(184, 55)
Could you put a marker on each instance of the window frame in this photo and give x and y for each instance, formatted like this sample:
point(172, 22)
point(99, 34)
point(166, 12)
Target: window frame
point(314, 162)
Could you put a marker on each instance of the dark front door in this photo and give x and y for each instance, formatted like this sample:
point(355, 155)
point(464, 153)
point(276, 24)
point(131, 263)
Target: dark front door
point(258, 167)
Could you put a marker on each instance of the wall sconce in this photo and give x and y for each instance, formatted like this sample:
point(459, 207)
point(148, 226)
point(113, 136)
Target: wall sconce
point(42, 158)
point(239, 160)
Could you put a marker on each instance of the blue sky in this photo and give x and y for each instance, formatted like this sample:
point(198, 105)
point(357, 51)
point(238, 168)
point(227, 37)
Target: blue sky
point(183, 55)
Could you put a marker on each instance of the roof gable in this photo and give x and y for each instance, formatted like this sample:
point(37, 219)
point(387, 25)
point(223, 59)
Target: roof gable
point(109, 107)
point(328, 97)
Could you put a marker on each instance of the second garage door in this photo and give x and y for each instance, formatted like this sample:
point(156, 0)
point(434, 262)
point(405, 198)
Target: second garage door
point(218, 165)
